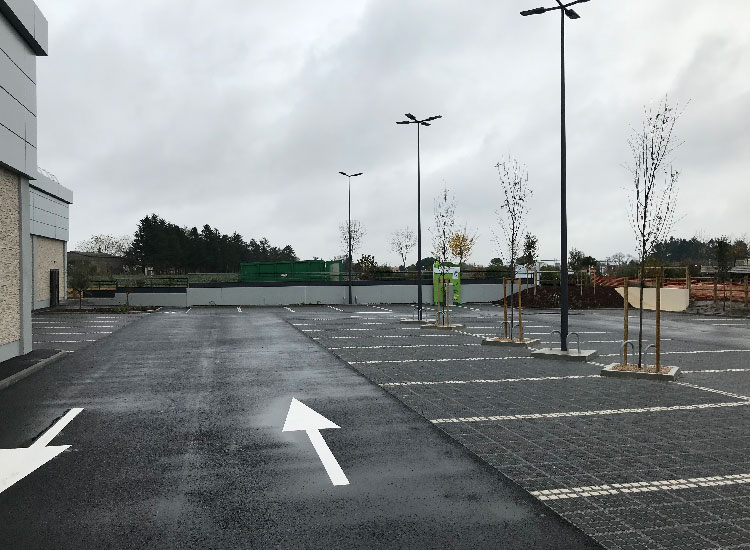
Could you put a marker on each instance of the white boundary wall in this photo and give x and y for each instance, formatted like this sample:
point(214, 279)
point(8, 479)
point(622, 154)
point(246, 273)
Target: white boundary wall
point(292, 295)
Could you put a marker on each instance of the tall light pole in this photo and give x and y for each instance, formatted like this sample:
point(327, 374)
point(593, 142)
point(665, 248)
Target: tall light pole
point(565, 11)
point(423, 122)
point(350, 176)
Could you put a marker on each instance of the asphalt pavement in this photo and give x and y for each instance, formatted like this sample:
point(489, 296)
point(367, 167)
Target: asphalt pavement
point(180, 445)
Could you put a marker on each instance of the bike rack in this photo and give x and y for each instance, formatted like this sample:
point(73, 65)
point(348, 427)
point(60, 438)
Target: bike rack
point(645, 353)
point(578, 338)
point(625, 343)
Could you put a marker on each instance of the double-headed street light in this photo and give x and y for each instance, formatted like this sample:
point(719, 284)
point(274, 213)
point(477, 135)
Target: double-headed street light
point(350, 176)
point(565, 11)
point(423, 122)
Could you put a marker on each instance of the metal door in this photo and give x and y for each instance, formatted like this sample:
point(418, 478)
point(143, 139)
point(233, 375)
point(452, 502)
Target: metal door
point(54, 287)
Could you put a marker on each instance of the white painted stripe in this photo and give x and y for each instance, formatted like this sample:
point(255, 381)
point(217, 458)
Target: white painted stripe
point(301, 324)
point(436, 360)
point(591, 413)
point(712, 390)
point(713, 370)
point(337, 309)
point(289, 309)
point(74, 333)
point(50, 434)
point(492, 381)
point(641, 487)
point(188, 311)
point(239, 309)
point(312, 330)
point(688, 352)
point(391, 336)
point(408, 346)
point(62, 341)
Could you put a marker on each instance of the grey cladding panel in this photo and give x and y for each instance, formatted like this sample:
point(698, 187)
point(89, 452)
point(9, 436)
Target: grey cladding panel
point(31, 165)
point(31, 133)
point(15, 47)
point(24, 11)
point(41, 29)
point(12, 115)
point(12, 150)
point(17, 84)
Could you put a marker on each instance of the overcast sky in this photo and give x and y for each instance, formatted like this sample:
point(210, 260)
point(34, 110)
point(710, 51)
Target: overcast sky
point(240, 114)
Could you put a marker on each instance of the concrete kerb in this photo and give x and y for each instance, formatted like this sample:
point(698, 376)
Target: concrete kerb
point(671, 376)
point(570, 355)
point(9, 381)
point(442, 327)
point(506, 342)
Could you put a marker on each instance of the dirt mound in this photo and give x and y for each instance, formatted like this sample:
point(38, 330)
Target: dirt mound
point(586, 298)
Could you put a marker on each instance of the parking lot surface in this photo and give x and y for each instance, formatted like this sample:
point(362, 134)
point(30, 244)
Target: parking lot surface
point(179, 444)
point(74, 331)
point(634, 463)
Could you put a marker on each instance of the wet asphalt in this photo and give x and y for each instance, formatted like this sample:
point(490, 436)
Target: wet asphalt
point(180, 445)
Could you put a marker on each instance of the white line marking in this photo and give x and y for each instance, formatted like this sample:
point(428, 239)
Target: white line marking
point(591, 413)
point(312, 330)
point(491, 381)
point(728, 394)
point(337, 309)
point(239, 309)
point(50, 434)
point(714, 370)
point(435, 360)
point(391, 336)
point(688, 352)
point(289, 309)
point(63, 341)
point(188, 311)
point(641, 487)
point(408, 346)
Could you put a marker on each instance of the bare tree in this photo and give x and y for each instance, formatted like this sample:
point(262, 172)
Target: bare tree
point(461, 244)
point(652, 205)
point(358, 233)
point(107, 244)
point(514, 185)
point(402, 241)
point(445, 220)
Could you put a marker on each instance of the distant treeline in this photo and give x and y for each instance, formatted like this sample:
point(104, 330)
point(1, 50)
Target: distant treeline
point(721, 251)
point(169, 248)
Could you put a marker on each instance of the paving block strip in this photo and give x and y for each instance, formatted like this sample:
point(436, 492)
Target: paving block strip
point(671, 376)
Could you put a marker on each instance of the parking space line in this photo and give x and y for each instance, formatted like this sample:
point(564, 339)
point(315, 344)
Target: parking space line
point(713, 370)
point(641, 487)
point(379, 361)
point(492, 381)
point(337, 309)
point(703, 388)
point(590, 413)
point(392, 336)
point(407, 346)
point(289, 309)
point(693, 352)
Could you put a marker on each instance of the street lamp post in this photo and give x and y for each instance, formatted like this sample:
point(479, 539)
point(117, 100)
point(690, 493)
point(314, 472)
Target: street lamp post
point(423, 122)
point(565, 11)
point(350, 176)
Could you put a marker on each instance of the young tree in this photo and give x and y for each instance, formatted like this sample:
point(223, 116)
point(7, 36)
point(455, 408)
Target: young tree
point(529, 256)
point(358, 233)
point(652, 205)
point(79, 278)
point(402, 241)
point(514, 186)
point(461, 244)
point(445, 219)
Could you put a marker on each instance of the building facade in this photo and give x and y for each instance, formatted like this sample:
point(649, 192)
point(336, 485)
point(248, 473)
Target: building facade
point(23, 37)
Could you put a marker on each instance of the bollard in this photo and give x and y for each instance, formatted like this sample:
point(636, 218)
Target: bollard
point(659, 277)
point(625, 336)
point(505, 306)
point(520, 322)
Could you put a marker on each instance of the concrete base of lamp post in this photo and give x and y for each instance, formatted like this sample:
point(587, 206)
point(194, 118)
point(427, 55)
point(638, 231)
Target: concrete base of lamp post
point(570, 355)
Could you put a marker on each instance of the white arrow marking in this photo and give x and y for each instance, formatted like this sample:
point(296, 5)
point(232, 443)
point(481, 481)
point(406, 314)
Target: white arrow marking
point(302, 418)
point(16, 464)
